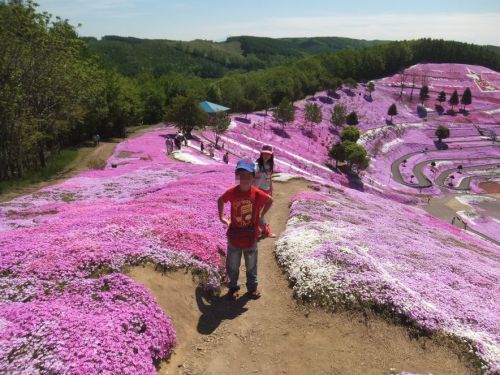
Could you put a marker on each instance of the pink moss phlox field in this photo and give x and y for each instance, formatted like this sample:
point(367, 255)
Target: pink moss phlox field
point(56, 313)
point(349, 248)
point(85, 326)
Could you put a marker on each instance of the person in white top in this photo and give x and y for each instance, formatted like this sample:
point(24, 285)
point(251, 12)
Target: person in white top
point(264, 168)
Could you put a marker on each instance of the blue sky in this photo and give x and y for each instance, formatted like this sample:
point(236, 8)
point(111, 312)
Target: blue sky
point(476, 21)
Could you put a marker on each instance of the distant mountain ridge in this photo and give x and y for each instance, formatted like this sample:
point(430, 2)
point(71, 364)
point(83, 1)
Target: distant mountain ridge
point(207, 59)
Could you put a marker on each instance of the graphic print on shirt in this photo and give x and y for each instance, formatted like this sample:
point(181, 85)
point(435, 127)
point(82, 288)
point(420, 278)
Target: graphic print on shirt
point(242, 212)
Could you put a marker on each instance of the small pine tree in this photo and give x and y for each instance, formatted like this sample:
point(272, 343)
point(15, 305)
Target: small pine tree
point(466, 97)
point(442, 132)
point(339, 112)
point(424, 94)
point(352, 119)
point(441, 97)
point(392, 111)
point(312, 114)
point(453, 99)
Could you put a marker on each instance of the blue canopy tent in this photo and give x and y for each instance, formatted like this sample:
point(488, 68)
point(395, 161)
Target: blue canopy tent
point(212, 107)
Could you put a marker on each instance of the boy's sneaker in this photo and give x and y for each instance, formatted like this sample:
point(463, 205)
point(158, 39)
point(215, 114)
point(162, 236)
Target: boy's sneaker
point(255, 294)
point(233, 294)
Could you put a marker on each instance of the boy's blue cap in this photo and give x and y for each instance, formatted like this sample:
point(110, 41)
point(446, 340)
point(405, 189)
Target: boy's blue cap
point(245, 164)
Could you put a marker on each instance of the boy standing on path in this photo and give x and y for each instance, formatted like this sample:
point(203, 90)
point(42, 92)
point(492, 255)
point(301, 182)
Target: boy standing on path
point(248, 205)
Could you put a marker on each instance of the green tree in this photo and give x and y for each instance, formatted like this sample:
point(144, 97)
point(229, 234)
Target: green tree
point(441, 97)
point(351, 83)
point(356, 156)
point(246, 106)
point(424, 94)
point(337, 152)
point(370, 87)
point(466, 97)
point(313, 114)
point(392, 111)
point(352, 119)
point(185, 113)
point(284, 113)
point(214, 93)
point(338, 116)
point(264, 102)
point(220, 123)
point(453, 99)
point(350, 133)
point(442, 132)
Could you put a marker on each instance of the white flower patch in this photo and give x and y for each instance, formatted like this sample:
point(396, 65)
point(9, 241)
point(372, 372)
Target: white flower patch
point(470, 215)
point(389, 145)
point(443, 163)
point(470, 200)
point(492, 111)
point(312, 277)
point(188, 158)
point(284, 177)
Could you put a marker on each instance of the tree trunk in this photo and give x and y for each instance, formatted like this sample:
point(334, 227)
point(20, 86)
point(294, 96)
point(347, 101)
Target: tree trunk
point(41, 156)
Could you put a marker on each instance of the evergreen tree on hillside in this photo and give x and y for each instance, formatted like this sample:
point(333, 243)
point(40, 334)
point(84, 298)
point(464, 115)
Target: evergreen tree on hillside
point(441, 98)
point(352, 119)
point(312, 114)
point(284, 113)
point(466, 98)
point(220, 123)
point(338, 117)
point(337, 153)
point(424, 94)
point(392, 111)
point(453, 99)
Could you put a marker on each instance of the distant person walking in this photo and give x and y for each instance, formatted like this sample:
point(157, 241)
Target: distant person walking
point(98, 139)
point(264, 168)
point(202, 147)
point(248, 206)
point(225, 158)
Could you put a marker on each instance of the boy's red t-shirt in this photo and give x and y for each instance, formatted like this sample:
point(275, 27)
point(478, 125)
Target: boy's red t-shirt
point(245, 215)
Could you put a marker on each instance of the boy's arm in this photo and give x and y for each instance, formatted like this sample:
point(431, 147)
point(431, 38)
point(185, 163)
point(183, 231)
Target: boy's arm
point(220, 206)
point(267, 206)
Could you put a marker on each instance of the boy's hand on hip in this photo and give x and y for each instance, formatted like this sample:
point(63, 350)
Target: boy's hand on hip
point(225, 221)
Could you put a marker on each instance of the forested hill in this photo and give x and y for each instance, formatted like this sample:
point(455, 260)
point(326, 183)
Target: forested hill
point(207, 59)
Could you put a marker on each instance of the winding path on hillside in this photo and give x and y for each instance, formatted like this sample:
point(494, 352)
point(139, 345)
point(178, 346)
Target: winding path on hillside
point(423, 181)
point(465, 182)
point(275, 335)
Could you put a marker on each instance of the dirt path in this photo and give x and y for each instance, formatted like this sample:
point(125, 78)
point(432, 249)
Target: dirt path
point(275, 335)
